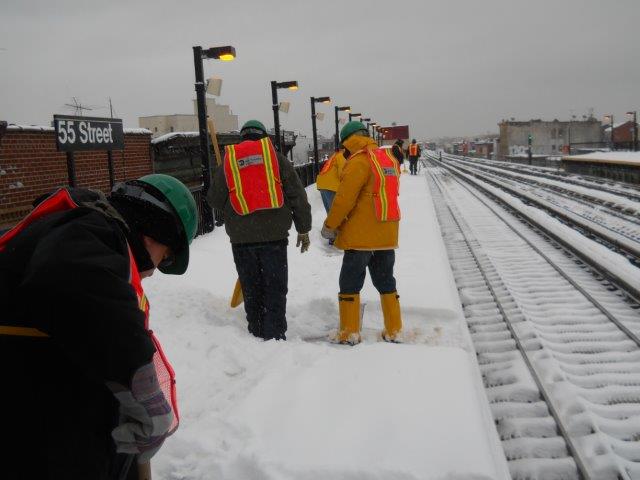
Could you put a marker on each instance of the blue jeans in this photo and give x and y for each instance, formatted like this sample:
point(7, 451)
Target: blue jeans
point(327, 198)
point(354, 270)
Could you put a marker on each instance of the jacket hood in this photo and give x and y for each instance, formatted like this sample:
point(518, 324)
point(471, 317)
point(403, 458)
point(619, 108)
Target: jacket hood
point(358, 142)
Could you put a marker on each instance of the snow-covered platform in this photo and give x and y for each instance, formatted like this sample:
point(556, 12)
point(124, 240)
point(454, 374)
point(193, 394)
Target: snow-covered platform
point(307, 409)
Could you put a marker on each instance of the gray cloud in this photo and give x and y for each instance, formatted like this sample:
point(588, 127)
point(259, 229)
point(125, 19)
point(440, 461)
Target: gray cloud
point(443, 67)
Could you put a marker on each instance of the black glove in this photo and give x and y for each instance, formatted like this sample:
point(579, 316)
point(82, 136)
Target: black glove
point(303, 239)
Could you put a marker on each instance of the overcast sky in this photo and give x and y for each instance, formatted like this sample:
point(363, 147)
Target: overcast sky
point(444, 67)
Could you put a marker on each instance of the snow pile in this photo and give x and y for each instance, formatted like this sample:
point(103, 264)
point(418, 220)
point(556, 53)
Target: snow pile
point(610, 157)
point(307, 409)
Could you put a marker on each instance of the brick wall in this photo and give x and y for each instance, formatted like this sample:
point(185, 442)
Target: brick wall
point(30, 165)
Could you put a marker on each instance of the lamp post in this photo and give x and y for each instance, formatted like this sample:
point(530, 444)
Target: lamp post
point(351, 115)
point(291, 85)
point(634, 114)
point(373, 126)
point(225, 54)
point(339, 109)
point(315, 100)
point(609, 116)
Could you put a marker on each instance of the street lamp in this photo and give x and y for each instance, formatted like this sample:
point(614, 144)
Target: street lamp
point(609, 117)
point(634, 114)
point(225, 54)
point(351, 115)
point(339, 109)
point(373, 126)
point(314, 100)
point(290, 85)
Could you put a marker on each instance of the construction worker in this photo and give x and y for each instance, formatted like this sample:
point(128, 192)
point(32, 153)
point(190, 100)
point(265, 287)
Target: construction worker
point(398, 151)
point(329, 178)
point(364, 221)
point(83, 375)
point(414, 154)
point(260, 194)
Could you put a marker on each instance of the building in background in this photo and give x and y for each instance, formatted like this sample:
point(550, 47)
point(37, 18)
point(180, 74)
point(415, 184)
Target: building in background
point(548, 138)
point(623, 135)
point(225, 120)
point(393, 133)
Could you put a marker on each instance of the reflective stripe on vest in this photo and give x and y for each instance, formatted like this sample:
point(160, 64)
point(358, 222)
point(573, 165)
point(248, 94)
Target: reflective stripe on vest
point(413, 150)
point(252, 173)
point(386, 186)
point(327, 165)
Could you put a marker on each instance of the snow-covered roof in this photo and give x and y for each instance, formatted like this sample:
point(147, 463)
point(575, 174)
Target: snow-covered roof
point(43, 128)
point(167, 136)
point(627, 158)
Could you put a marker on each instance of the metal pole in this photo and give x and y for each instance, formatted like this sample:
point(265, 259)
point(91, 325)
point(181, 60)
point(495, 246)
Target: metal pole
point(337, 141)
point(205, 155)
point(71, 169)
point(635, 131)
point(112, 177)
point(316, 165)
point(276, 114)
point(613, 145)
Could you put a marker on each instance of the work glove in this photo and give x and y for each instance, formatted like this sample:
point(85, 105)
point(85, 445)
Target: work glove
point(328, 233)
point(303, 242)
point(145, 415)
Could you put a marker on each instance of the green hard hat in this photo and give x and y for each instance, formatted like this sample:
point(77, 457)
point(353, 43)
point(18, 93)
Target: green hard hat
point(184, 207)
point(254, 124)
point(350, 128)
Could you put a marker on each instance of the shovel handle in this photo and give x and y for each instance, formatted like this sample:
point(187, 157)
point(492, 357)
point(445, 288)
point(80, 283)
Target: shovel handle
point(144, 471)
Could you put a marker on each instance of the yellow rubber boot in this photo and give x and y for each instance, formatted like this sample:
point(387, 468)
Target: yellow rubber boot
point(349, 318)
point(392, 317)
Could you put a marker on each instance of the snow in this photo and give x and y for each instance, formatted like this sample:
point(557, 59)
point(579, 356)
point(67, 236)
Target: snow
point(170, 135)
point(308, 409)
point(632, 158)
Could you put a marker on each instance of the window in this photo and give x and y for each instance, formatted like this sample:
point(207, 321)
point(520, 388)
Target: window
point(560, 132)
point(155, 129)
point(171, 129)
point(553, 148)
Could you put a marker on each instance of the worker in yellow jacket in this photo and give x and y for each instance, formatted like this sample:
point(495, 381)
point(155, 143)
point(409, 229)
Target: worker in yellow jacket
point(329, 178)
point(364, 220)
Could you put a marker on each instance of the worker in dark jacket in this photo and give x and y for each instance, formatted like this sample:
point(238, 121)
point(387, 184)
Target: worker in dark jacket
point(260, 194)
point(398, 152)
point(414, 155)
point(82, 378)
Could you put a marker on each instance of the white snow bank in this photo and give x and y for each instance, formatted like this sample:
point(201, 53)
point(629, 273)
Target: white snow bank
point(307, 409)
point(609, 157)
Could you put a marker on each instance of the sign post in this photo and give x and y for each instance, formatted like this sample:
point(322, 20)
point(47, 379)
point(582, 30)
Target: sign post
point(87, 133)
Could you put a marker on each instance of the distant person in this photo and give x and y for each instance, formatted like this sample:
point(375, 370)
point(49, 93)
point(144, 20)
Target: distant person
point(260, 195)
point(364, 220)
point(414, 155)
point(83, 378)
point(398, 151)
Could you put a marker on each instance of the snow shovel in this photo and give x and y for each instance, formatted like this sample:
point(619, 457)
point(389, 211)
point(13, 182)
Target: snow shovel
point(237, 297)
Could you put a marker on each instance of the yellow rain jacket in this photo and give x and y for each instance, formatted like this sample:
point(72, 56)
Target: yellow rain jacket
point(329, 176)
point(353, 210)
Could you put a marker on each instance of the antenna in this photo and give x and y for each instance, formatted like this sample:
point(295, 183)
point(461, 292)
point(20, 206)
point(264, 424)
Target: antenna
point(77, 106)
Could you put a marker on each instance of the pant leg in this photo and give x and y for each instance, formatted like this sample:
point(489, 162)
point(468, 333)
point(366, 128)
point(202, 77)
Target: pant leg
point(381, 270)
point(273, 258)
point(327, 198)
point(354, 270)
point(250, 274)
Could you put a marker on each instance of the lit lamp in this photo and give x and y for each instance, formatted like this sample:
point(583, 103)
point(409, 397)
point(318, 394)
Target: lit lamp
point(225, 54)
point(275, 86)
point(339, 109)
point(316, 116)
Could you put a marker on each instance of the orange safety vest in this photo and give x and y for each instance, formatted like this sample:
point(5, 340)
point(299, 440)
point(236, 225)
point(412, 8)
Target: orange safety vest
point(413, 150)
point(327, 165)
point(386, 186)
point(61, 201)
point(253, 176)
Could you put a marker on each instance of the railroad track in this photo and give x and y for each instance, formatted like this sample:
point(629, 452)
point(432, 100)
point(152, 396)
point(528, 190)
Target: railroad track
point(558, 350)
point(624, 246)
point(629, 192)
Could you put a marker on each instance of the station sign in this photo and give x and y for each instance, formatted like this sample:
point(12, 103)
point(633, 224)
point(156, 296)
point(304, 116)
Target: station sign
point(75, 133)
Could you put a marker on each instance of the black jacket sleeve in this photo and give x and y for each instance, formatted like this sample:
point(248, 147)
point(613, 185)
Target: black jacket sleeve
point(76, 289)
point(295, 195)
point(218, 194)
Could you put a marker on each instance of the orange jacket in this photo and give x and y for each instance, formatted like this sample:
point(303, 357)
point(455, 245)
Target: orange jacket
point(329, 176)
point(353, 210)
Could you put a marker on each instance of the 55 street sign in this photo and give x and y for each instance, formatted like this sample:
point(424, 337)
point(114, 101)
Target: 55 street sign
point(88, 133)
